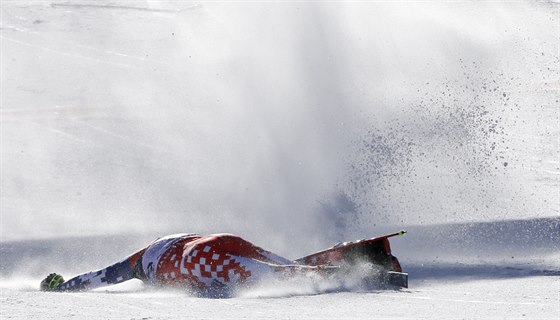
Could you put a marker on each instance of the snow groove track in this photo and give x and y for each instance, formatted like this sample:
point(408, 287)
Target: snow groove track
point(101, 6)
point(67, 54)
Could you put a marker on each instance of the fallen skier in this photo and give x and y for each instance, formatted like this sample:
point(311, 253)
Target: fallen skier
point(216, 264)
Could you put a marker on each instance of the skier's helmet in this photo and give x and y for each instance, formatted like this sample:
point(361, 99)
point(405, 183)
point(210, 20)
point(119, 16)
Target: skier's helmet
point(52, 282)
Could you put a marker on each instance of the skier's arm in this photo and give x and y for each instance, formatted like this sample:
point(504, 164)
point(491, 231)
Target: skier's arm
point(116, 273)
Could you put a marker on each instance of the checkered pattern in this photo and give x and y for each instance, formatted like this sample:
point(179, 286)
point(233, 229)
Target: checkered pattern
point(208, 265)
point(199, 265)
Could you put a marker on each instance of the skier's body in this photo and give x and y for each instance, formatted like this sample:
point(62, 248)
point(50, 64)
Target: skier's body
point(211, 264)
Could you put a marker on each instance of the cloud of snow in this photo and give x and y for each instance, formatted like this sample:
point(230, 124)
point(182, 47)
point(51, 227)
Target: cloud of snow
point(295, 125)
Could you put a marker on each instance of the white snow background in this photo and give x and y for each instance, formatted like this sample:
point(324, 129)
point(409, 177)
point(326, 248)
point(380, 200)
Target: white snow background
point(295, 125)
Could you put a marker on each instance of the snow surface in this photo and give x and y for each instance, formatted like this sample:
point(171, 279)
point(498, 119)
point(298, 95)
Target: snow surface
point(296, 125)
point(480, 298)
